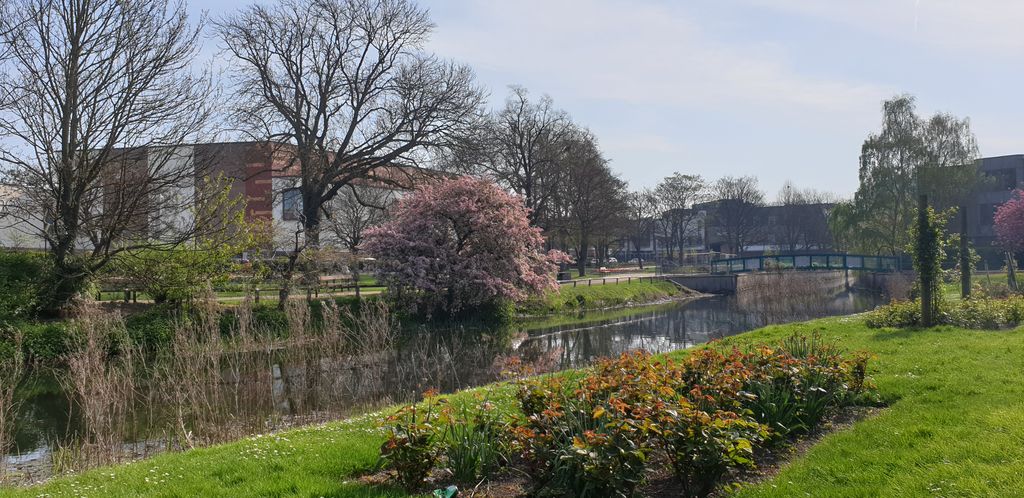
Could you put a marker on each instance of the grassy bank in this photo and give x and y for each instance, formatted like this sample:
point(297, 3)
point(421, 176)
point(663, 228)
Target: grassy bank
point(570, 299)
point(953, 429)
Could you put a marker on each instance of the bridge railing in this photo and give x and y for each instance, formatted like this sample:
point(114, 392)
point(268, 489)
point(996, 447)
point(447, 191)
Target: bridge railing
point(807, 262)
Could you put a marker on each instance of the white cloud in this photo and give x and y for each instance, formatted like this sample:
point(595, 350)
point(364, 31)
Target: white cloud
point(974, 27)
point(640, 53)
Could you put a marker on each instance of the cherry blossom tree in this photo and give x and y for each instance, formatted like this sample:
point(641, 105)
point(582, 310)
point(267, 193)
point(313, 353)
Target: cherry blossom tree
point(1009, 226)
point(460, 244)
point(1009, 223)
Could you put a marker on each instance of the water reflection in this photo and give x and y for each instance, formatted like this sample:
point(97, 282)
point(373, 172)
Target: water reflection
point(679, 327)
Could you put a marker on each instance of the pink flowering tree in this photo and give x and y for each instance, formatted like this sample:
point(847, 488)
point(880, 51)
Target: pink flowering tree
point(460, 244)
point(1009, 226)
point(1009, 223)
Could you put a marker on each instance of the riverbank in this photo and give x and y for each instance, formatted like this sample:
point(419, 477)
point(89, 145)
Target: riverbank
point(151, 326)
point(573, 299)
point(955, 412)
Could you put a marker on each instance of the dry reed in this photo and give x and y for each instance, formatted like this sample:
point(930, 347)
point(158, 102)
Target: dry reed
point(12, 368)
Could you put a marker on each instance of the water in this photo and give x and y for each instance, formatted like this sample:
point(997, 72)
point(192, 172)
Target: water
point(283, 388)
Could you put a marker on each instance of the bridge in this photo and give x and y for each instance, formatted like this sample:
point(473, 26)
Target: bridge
point(825, 261)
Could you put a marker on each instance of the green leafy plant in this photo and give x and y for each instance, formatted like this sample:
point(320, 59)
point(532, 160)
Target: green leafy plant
point(927, 243)
point(411, 447)
point(704, 446)
point(178, 274)
point(23, 283)
point(473, 443)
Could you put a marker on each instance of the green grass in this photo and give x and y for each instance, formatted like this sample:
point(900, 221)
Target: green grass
point(991, 282)
point(584, 297)
point(954, 427)
point(588, 317)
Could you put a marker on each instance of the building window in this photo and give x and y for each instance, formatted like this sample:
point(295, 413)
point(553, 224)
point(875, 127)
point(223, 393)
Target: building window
point(291, 204)
point(986, 214)
point(1004, 179)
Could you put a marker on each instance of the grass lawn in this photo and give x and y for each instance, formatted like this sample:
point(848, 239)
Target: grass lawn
point(955, 427)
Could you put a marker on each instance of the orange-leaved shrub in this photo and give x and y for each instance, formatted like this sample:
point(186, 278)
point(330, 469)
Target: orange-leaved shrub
point(704, 417)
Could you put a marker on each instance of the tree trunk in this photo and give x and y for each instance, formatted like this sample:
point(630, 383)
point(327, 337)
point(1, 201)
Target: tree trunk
point(965, 256)
point(925, 279)
point(584, 253)
point(311, 234)
point(66, 282)
point(355, 276)
point(1011, 272)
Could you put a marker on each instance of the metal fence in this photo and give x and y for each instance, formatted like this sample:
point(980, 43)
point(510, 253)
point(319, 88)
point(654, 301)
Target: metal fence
point(589, 282)
point(808, 262)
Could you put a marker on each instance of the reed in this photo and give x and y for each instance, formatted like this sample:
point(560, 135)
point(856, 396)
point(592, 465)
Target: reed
point(216, 383)
point(104, 374)
point(12, 368)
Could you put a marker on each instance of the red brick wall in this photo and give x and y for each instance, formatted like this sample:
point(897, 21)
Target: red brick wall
point(248, 164)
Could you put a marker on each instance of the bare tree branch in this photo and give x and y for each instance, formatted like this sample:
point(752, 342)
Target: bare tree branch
point(348, 85)
point(100, 100)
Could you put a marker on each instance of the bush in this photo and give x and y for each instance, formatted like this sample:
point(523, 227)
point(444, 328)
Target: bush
point(573, 448)
point(46, 342)
point(704, 446)
point(411, 447)
point(22, 284)
point(974, 313)
point(153, 328)
point(897, 314)
point(266, 318)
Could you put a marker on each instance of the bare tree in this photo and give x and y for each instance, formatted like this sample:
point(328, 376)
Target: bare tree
point(351, 213)
point(98, 103)
point(643, 210)
point(738, 200)
point(348, 86)
point(592, 195)
point(678, 194)
point(802, 220)
point(521, 148)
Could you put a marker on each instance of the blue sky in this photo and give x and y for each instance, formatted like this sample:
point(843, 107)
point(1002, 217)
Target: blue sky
point(780, 89)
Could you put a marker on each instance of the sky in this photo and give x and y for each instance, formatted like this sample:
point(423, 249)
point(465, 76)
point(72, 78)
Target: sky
point(779, 89)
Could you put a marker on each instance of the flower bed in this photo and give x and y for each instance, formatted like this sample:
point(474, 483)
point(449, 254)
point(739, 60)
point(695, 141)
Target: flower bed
point(600, 433)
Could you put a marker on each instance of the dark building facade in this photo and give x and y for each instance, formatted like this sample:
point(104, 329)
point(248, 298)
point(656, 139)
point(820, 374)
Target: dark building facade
point(1003, 174)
